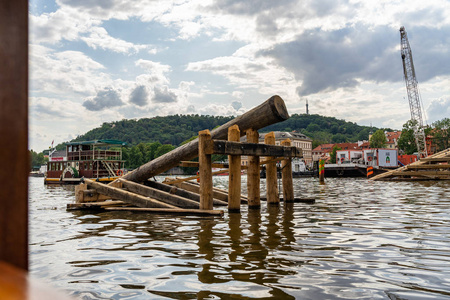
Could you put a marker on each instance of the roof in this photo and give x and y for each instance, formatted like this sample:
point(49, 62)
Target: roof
point(282, 135)
point(98, 142)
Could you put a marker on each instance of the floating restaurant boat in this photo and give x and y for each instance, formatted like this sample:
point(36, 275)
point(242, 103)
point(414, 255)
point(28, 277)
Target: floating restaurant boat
point(99, 160)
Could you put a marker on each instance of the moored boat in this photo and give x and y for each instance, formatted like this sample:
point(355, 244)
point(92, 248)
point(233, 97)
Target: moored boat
point(100, 160)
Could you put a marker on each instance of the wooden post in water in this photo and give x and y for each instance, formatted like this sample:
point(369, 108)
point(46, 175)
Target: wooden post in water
point(234, 182)
point(205, 170)
point(253, 177)
point(322, 171)
point(286, 175)
point(271, 174)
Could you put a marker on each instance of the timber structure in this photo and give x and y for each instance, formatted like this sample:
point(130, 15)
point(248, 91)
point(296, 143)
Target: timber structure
point(136, 192)
point(433, 167)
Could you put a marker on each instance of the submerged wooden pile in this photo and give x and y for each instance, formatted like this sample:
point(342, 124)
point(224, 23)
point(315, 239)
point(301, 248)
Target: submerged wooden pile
point(135, 192)
point(433, 167)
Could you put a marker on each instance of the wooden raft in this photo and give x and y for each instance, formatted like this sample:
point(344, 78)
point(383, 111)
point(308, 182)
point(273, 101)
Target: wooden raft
point(433, 167)
point(134, 192)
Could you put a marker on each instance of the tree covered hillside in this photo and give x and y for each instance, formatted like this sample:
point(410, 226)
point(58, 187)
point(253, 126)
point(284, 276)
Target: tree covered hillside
point(324, 130)
point(178, 128)
point(165, 130)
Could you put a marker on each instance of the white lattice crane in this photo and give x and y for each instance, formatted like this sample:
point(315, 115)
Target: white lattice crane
point(413, 93)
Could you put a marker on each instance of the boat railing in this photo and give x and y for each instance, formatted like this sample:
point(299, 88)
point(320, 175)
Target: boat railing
point(95, 155)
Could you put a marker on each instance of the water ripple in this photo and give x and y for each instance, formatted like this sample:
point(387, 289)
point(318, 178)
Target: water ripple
point(360, 240)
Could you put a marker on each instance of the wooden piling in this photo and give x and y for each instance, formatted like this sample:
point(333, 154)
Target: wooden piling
point(271, 174)
point(253, 176)
point(205, 170)
point(234, 182)
point(322, 171)
point(286, 175)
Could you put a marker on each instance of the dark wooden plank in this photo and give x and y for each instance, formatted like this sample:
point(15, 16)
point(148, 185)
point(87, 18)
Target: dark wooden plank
point(125, 196)
point(180, 192)
point(159, 195)
point(14, 132)
point(250, 149)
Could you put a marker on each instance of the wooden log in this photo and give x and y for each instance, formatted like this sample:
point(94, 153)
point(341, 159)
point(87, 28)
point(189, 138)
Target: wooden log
point(94, 205)
point(159, 195)
point(234, 177)
point(271, 111)
point(14, 154)
point(195, 196)
point(271, 174)
point(286, 175)
point(180, 211)
point(117, 193)
point(251, 149)
point(205, 170)
point(253, 175)
point(219, 194)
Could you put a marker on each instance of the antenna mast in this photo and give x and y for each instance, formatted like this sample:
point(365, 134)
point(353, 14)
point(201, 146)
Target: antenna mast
point(413, 93)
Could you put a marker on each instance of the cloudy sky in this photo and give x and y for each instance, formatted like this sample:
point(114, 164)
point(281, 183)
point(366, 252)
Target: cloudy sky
point(95, 61)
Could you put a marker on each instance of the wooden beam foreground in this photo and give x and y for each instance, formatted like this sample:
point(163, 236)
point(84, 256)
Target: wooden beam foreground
point(252, 149)
point(14, 133)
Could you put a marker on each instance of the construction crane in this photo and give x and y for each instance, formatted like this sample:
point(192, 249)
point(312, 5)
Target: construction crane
point(413, 94)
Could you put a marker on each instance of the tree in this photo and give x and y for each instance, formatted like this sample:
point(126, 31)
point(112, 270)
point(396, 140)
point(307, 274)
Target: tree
point(163, 149)
point(37, 159)
point(407, 143)
point(333, 153)
point(378, 139)
point(442, 134)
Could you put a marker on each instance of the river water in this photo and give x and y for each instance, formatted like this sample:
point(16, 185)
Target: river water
point(359, 240)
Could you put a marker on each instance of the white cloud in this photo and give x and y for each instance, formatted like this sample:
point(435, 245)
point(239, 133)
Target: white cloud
point(99, 37)
point(64, 72)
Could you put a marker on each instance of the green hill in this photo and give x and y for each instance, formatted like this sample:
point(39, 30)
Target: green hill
point(178, 128)
point(149, 138)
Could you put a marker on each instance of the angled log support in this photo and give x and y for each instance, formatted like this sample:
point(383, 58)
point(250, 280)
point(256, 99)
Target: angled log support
point(165, 197)
point(125, 196)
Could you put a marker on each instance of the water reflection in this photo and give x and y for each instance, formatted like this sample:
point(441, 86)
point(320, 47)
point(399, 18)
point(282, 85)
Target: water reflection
point(360, 240)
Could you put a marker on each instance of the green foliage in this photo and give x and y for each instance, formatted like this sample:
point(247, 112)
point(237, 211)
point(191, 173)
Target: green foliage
point(37, 159)
point(378, 139)
point(322, 130)
point(333, 154)
point(165, 130)
point(441, 134)
point(407, 143)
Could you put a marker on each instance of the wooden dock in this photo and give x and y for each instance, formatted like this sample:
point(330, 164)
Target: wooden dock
point(433, 167)
point(135, 192)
